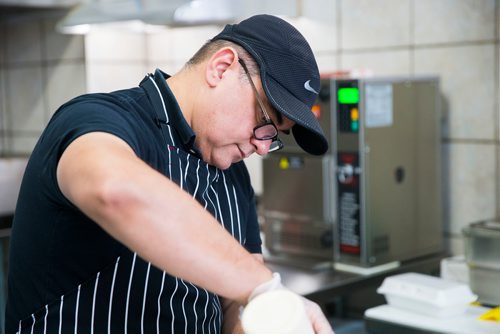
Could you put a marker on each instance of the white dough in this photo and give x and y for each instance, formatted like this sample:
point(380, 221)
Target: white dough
point(276, 312)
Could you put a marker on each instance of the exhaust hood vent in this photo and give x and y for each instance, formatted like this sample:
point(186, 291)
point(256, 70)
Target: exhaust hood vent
point(157, 12)
point(173, 13)
point(39, 3)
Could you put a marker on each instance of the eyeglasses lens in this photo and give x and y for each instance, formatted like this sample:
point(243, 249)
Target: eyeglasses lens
point(265, 132)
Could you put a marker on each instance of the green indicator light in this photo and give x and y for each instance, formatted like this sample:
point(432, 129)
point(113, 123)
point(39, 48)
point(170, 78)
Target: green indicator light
point(354, 126)
point(348, 95)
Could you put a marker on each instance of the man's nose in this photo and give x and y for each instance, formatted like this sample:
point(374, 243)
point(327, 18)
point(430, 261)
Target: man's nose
point(262, 146)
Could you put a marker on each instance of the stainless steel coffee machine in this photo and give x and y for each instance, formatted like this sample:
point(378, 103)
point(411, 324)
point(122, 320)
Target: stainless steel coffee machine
point(375, 197)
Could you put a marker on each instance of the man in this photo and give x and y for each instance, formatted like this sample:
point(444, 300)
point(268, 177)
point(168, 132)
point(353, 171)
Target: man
point(103, 242)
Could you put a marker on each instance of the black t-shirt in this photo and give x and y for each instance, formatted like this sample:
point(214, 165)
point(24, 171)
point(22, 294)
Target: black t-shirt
point(66, 272)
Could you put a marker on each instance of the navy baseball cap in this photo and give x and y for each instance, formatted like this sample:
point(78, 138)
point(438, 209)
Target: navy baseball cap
point(288, 72)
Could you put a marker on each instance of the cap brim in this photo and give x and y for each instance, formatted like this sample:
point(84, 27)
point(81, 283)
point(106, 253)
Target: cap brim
point(306, 131)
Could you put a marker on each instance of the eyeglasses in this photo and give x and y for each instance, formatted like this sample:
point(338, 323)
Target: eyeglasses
point(266, 131)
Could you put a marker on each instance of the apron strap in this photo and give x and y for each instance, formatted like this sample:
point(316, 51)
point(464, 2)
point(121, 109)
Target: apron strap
point(159, 112)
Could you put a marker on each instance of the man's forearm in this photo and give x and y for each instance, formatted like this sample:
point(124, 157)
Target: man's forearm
point(152, 216)
point(231, 324)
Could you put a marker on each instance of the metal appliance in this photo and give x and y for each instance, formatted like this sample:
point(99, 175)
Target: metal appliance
point(482, 246)
point(374, 198)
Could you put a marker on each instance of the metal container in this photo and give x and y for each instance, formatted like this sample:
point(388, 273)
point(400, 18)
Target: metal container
point(375, 197)
point(482, 249)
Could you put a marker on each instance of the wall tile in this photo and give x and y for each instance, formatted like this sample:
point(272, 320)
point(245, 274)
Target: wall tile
point(374, 24)
point(115, 45)
point(455, 244)
point(2, 100)
point(169, 67)
point(498, 21)
point(383, 63)
point(447, 21)
point(498, 123)
point(320, 27)
point(108, 76)
point(25, 103)
point(468, 184)
point(22, 145)
point(3, 148)
point(57, 90)
point(159, 46)
point(23, 42)
point(498, 181)
point(186, 41)
point(3, 43)
point(324, 11)
point(2, 111)
point(322, 36)
point(278, 7)
point(468, 88)
point(5, 142)
point(60, 46)
point(327, 63)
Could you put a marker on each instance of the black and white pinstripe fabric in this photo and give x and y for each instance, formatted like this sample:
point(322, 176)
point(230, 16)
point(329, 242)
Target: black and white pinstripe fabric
point(133, 296)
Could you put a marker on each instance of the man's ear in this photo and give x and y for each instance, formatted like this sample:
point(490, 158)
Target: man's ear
point(219, 63)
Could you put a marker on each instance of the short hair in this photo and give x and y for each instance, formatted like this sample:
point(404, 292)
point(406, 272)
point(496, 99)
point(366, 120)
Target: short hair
point(210, 47)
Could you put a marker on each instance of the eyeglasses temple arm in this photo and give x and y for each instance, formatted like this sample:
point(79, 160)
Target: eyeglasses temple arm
point(259, 101)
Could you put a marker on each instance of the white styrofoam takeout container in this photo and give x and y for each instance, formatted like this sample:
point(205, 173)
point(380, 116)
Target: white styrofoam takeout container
point(427, 294)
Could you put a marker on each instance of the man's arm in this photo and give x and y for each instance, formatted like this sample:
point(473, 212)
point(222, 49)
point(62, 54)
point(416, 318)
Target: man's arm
point(231, 323)
point(231, 309)
point(152, 216)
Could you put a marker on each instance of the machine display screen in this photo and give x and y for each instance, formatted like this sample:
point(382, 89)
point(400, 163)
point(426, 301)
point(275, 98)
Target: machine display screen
point(348, 106)
point(348, 95)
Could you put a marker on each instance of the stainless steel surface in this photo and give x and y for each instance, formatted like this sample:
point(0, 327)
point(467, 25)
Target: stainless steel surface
point(376, 193)
point(482, 244)
point(482, 249)
point(325, 285)
point(298, 224)
point(298, 210)
point(388, 170)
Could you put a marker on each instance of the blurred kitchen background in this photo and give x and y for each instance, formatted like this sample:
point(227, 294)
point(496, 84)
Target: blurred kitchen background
point(456, 40)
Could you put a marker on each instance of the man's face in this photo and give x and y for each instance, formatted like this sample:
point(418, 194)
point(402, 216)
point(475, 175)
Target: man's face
point(226, 135)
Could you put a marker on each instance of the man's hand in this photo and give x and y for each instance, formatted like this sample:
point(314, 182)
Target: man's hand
point(318, 320)
point(320, 324)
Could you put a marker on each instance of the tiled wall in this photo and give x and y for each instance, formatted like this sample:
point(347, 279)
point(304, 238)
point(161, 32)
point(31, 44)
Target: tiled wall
point(114, 60)
point(455, 39)
point(2, 90)
point(39, 70)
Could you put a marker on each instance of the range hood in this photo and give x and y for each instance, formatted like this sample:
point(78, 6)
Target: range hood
point(157, 12)
point(27, 9)
point(39, 3)
point(173, 13)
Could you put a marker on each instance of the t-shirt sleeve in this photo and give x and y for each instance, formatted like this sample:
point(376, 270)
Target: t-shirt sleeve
point(74, 120)
point(93, 116)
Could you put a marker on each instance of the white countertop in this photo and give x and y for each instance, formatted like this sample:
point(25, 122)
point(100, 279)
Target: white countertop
point(467, 323)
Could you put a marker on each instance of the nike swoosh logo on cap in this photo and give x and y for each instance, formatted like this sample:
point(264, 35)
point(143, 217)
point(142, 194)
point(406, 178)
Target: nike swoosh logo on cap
point(308, 87)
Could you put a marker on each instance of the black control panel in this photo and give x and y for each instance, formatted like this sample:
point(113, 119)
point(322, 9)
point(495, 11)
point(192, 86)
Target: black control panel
point(348, 169)
point(348, 106)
